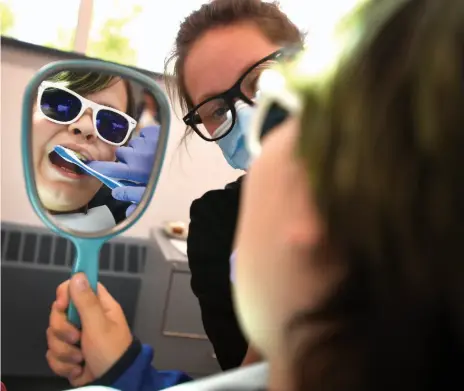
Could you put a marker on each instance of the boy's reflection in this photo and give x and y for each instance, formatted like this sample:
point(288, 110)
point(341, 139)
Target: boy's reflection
point(65, 191)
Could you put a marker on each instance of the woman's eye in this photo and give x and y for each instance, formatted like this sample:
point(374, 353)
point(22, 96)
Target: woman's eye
point(253, 85)
point(251, 82)
point(219, 113)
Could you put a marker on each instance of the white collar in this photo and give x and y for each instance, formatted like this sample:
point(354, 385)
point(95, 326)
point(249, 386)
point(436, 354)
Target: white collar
point(96, 219)
point(94, 388)
point(250, 378)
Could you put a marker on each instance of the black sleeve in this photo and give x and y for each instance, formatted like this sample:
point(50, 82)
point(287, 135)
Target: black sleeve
point(209, 245)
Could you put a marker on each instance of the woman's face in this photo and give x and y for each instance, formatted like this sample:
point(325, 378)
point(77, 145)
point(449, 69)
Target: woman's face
point(277, 230)
point(218, 59)
point(59, 189)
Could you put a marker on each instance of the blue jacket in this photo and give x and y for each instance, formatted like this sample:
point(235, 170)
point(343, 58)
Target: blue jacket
point(133, 372)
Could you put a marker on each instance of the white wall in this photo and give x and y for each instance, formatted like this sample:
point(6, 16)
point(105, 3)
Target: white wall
point(186, 175)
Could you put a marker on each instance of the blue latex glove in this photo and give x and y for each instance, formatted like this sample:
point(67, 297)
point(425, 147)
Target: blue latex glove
point(232, 259)
point(135, 162)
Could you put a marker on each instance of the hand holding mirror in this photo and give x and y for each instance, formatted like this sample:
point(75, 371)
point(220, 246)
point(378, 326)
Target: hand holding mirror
point(90, 168)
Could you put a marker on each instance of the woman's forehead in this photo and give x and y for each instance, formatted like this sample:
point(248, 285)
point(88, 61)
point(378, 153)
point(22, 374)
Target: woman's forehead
point(218, 59)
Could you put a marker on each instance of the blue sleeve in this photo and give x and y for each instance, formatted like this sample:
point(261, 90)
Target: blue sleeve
point(141, 376)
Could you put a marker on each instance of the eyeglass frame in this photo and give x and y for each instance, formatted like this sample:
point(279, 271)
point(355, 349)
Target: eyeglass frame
point(86, 104)
point(229, 96)
point(273, 90)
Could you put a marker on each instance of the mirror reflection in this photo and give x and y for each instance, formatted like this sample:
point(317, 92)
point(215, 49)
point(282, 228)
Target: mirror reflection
point(93, 142)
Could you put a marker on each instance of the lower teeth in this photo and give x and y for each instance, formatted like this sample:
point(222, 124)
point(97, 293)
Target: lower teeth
point(67, 170)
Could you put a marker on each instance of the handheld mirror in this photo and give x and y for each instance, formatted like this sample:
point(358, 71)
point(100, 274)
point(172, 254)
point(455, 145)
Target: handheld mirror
point(94, 135)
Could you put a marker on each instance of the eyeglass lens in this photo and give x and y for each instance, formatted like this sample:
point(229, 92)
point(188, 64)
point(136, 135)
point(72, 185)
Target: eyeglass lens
point(216, 114)
point(61, 106)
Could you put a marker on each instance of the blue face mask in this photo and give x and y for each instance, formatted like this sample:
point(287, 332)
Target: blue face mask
point(233, 145)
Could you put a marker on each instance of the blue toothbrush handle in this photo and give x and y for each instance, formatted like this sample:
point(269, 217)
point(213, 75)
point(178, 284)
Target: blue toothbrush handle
point(114, 183)
point(87, 262)
point(129, 183)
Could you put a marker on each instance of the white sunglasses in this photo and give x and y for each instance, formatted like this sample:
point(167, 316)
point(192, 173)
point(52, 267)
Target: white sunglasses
point(63, 106)
point(276, 103)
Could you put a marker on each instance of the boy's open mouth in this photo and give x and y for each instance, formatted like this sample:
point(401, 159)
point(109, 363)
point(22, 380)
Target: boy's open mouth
point(65, 166)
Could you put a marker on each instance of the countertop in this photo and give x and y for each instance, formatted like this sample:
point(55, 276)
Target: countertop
point(170, 252)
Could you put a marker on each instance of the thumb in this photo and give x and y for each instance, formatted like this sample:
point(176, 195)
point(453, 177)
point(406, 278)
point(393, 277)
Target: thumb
point(131, 209)
point(86, 301)
point(128, 193)
point(107, 302)
point(151, 133)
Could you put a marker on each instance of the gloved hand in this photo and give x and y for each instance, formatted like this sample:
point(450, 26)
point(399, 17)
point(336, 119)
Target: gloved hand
point(129, 194)
point(135, 163)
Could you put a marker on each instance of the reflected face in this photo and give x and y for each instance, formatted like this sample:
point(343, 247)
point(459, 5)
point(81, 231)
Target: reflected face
point(60, 189)
point(277, 229)
point(218, 59)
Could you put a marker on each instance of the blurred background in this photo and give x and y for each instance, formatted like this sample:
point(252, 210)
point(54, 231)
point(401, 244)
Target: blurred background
point(131, 32)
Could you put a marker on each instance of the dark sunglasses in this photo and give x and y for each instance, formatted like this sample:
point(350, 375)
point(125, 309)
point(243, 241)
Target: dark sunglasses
point(63, 106)
point(215, 117)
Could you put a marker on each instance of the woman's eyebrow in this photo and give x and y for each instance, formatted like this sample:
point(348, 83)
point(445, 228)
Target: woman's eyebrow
point(208, 95)
point(244, 69)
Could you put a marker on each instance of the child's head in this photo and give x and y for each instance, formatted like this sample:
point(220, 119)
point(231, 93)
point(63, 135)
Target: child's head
point(349, 270)
point(61, 188)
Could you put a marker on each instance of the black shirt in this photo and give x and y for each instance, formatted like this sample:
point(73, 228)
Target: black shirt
point(213, 218)
point(117, 208)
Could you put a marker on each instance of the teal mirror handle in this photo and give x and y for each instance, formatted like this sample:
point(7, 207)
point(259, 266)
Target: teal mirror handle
point(87, 262)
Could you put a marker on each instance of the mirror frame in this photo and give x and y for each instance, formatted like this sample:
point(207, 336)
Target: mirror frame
point(26, 144)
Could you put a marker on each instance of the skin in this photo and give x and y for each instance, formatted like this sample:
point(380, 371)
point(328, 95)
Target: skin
point(57, 190)
point(252, 356)
point(277, 230)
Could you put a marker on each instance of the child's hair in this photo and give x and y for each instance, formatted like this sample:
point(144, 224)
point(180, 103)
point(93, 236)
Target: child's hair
point(383, 144)
point(85, 83)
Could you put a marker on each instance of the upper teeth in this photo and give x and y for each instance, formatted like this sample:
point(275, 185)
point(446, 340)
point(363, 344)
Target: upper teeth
point(80, 156)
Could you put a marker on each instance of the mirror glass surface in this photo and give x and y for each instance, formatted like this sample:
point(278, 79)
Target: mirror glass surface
point(93, 145)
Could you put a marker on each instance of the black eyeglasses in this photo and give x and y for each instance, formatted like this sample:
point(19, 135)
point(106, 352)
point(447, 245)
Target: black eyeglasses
point(215, 117)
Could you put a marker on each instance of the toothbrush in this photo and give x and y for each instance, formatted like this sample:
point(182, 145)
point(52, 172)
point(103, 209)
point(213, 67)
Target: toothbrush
point(70, 156)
